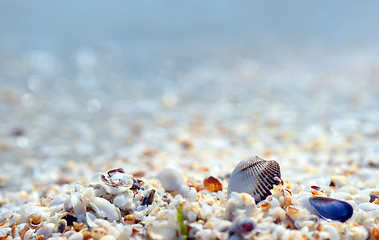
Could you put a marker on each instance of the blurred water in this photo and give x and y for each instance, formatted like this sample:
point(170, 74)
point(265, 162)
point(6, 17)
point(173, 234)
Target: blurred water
point(149, 31)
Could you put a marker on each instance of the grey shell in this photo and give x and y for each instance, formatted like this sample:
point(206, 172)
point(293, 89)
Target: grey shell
point(255, 176)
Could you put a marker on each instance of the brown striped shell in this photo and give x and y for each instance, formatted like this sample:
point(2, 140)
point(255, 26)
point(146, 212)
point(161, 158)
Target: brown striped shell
point(255, 176)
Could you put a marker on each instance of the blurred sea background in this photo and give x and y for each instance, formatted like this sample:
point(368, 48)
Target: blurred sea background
point(82, 79)
point(146, 33)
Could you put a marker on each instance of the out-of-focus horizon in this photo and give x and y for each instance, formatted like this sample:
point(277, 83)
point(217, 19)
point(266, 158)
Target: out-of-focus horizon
point(149, 32)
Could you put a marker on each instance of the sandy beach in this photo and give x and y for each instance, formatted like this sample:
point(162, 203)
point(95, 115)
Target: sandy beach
point(59, 137)
point(158, 120)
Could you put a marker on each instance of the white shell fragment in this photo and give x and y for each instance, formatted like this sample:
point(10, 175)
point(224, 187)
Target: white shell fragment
point(255, 176)
point(8, 219)
point(78, 203)
point(46, 230)
point(105, 209)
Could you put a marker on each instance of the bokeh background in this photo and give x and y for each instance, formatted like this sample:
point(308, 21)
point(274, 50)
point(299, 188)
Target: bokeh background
point(201, 83)
point(150, 31)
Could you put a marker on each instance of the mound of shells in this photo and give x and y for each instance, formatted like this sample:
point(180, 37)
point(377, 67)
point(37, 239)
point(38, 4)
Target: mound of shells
point(115, 205)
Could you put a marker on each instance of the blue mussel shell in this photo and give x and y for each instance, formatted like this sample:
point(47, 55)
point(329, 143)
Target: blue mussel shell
point(331, 209)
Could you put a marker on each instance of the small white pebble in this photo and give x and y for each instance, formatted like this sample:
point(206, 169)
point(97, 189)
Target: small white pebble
point(138, 215)
point(191, 216)
point(221, 225)
point(278, 232)
point(236, 198)
point(4, 231)
point(108, 237)
point(171, 178)
point(247, 199)
point(205, 234)
point(192, 194)
point(206, 211)
point(125, 232)
point(221, 195)
point(46, 230)
point(162, 230)
point(368, 207)
point(76, 236)
point(184, 190)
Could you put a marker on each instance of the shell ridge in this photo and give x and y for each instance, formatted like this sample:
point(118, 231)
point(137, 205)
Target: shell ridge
point(255, 176)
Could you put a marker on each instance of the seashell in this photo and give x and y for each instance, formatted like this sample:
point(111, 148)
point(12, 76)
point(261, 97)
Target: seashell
point(117, 181)
point(123, 201)
point(292, 210)
point(58, 200)
point(69, 218)
point(212, 184)
point(114, 171)
point(373, 196)
point(105, 209)
point(46, 230)
point(80, 227)
point(35, 220)
point(331, 209)
point(149, 198)
point(28, 234)
point(98, 232)
point(309, 221)
point(374, 232)
point(78, 204)
point(368, 207)
point(76, 236)
point(290, 222)
point(265, 206)
point(137, 183)
point(23, 231)
point(8, 219)
point(255, 176)
point(60, 226)
point(130, 219)
point(90, 219)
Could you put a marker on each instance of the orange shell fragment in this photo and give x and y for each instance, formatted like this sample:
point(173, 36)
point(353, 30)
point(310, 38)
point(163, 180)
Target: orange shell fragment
point(212, 184)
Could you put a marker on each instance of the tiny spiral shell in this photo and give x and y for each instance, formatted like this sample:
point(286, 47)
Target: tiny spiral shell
point(255, 176)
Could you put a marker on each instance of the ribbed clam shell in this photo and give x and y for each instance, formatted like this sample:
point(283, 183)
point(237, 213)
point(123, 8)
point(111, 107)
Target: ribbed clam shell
point(255, 176)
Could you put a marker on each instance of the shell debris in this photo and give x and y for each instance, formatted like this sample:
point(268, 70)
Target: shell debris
point(116, 205)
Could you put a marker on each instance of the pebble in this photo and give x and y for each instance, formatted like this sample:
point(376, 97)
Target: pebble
point(162, 230)
point(171, 178)
point(192, 194)
point(191, 216)
point(76, 236)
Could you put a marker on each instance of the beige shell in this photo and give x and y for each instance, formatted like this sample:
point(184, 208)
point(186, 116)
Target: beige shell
point(255, 176)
